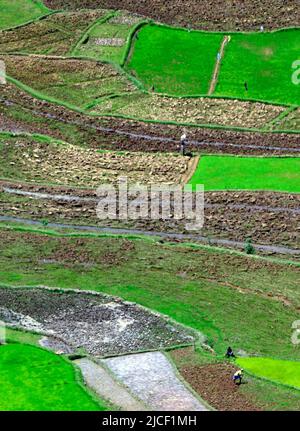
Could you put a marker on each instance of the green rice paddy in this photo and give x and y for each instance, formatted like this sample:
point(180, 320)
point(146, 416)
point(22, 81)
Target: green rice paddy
point(248, 173)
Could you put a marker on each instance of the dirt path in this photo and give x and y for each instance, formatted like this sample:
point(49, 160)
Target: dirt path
point(214, 80)
point(152, 378)
point(103, 384)
point(75, 198)
point(169, 235)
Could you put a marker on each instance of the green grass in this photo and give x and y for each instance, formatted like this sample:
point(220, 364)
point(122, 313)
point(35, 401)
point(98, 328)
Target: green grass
point(17, 12)
point(179, 62)
point(248, 173)
point(107, 53)
point(107, 29)
point(35, 379)
point(279, 371)
point(183, 283)
point(175, 61)
point(264, 61)
point(23, 337)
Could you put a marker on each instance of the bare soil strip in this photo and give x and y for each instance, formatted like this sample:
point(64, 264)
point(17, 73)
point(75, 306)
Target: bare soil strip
point(207, 15)
point(152, 378)
point(102, 383)
point(75, 198)
point(215, 76)
point(123, 134)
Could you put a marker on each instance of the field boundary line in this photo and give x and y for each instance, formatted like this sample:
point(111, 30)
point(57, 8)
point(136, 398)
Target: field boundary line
point(232, 32)
point(280, 117)
point(130, 41)
point(186, 384)
point(135, 237)
point(37, 94)
point(33, 20)
point(139, 234)
point(217, 67)
point(102, 20)
point(191, 170)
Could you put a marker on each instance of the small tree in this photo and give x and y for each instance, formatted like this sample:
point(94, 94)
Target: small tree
point(249, 249)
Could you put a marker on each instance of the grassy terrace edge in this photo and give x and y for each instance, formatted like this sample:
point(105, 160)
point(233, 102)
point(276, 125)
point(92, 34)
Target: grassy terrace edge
point(40, 96)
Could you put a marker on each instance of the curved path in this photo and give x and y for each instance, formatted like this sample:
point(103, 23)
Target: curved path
point(105, 386)
point(152, 378)
point(180, 236)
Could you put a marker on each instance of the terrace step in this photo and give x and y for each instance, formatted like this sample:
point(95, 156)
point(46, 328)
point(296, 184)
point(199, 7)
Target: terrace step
point(152, 378)
point(101, 382)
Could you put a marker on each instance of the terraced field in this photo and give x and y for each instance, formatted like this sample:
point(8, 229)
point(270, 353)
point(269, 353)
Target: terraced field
point(99, 94)
point(54, 35)
point(107, 39)
point(18, 12)
point(34, 379)
point(260, 60)
point(245, 173)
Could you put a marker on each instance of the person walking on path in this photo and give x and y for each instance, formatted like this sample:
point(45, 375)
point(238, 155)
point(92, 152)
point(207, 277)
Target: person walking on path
point(183, 143)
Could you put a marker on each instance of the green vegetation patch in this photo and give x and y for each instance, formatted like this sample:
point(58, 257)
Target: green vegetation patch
point(279, 371)
point(107, 40)
point(264, 61)
point(248, 173)
point(53, 35)
point(255, 65)
point(17, 12)
point(175, 61)
point(183, 283)
point(73, 83)
point(35, 379)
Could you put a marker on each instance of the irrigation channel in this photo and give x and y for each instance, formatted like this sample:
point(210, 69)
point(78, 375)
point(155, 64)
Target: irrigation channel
point(167, 235)
point(74, 198)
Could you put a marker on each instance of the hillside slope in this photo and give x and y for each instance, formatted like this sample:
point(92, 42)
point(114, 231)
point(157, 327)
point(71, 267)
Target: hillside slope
point(211, 14)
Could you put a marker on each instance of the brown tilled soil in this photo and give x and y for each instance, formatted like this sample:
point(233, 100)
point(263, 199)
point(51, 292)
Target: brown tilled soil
point(201, 110)
point(101, 325)
point(20, 112)
point(213, 382)
point(210, 14)
point(54, 35)
point(73, 81)
point(268, 218)
point(72, 165)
